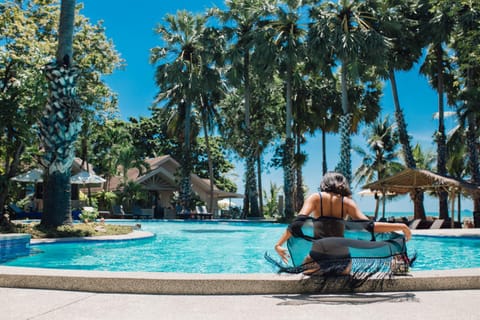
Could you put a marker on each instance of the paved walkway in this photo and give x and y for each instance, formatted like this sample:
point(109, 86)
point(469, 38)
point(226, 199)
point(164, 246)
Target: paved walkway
point(20, 304)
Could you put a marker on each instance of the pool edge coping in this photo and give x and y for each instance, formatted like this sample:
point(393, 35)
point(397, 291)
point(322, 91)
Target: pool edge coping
point(222, 284)
point(210, 284)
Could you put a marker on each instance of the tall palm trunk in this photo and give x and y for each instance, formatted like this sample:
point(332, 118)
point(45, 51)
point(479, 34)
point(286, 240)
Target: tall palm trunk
point(10, 169)
point(60, 124)
point(419, 209)
point(185, 185)
point(324, 153)
point(299, 196)
point(260, 187)
point(472, 147)
point(288, 161)
point(345, 164)
point(250, 182)
point(440, 137)
point(210, 164)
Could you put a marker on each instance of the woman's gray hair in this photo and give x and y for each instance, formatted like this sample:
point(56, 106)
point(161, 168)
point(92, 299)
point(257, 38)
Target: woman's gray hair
point(336, 183)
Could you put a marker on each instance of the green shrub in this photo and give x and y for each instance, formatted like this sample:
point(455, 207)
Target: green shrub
point(89, 214)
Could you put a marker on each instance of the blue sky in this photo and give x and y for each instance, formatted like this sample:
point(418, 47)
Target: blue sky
point(130, 27)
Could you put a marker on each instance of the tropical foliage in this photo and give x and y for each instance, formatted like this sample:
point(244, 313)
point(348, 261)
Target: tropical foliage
point(255, 77)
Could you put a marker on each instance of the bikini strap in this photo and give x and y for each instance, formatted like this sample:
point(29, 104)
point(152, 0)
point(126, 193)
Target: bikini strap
point(321, 205)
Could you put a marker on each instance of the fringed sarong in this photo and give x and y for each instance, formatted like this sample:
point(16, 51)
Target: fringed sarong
point(355, 258)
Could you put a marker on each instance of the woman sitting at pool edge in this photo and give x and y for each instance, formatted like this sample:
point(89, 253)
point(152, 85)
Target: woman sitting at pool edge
point(329, 208)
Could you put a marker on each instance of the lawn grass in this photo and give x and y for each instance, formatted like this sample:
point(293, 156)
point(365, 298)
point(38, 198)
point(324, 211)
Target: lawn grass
point(91, 229)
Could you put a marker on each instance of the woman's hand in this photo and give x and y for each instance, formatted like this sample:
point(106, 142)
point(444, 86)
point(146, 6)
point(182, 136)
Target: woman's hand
point(283, 253)
point(406, 232)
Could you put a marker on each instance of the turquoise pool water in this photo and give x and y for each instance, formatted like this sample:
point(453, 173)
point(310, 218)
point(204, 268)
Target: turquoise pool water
point(217, 247)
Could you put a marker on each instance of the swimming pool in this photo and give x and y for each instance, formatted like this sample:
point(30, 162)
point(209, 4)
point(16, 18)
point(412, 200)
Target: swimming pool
point(217, 247)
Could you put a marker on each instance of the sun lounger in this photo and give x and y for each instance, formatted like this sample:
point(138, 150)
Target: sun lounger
point(437, 224)
point(19, 213)
point(203, 213)
point(119, 213)
point(414, 224)
point(139, 213)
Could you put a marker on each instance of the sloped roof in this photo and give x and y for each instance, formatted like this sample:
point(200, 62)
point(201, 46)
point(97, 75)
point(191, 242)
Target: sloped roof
point(410, 179)
point(161, 174)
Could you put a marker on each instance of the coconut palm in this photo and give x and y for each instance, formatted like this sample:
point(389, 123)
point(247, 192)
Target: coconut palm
point(60, 124)
point(398, 21)
point(288, 39)
point(241, 23)
point(326, 109)
point(438, 68)
point(465, 43)
point(344, 30)
point(212, 93)
point(380, 160)
point(180, 70)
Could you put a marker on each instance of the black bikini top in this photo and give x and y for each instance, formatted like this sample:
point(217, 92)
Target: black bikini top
point(321, 207)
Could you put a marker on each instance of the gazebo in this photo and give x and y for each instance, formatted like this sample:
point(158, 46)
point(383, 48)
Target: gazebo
point(410, 179)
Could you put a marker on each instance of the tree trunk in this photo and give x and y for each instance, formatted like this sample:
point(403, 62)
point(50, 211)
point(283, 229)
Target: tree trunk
point(210, 164)
point(10, 170)
point(288, 164)
point(260, 187)
point(324, 153)
point(419, 209)
point(60, 124)
point(57, 183)
point(251, 184)
point(288, 161)
point(186, 185)
point(440, 136)
point(250, 181)
point(299, 196)
point(345, 164)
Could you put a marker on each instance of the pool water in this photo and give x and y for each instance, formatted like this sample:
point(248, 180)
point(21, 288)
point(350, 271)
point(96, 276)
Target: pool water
point(217, 247)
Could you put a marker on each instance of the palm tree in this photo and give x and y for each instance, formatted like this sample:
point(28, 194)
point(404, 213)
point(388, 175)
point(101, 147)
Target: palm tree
point(465, 43)
point(326, 108)
point(398, 22)
point(380, 159)
point(212, 93)
point(60, 124)
point(438, 69)
point(128, 159)
point(288, 39)
point(241, 23)
point(180, 77)
point(344, 30)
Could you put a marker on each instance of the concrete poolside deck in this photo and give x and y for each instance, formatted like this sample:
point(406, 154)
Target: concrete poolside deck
point(22, 304)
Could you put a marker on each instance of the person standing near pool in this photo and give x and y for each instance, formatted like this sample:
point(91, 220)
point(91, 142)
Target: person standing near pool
point(324, 214)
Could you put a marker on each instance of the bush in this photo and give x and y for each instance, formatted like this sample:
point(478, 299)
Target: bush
point(88, 214)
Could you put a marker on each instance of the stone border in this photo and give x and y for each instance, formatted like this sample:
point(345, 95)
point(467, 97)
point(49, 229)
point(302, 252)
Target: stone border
point(222, 284)
point(135, 235)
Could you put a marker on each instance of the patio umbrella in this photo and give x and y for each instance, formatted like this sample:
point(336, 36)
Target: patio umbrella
point(86, 178)
point(32, 176)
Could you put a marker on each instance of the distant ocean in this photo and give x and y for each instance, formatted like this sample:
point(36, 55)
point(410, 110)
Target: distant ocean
point(396, 214)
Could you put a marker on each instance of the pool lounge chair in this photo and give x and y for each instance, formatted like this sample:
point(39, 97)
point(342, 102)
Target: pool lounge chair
point(414, 224)
point(203, 213)
point(184, 214)
point(119, 213)
point(140, 213)
point(437, 224)
point(19, 213)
